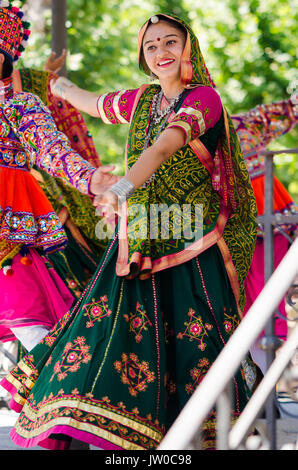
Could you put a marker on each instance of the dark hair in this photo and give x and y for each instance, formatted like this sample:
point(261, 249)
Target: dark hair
point(172, 22)
point(7, 67)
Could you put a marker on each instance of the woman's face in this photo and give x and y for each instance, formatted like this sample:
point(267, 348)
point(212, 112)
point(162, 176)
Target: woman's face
point(163, 45)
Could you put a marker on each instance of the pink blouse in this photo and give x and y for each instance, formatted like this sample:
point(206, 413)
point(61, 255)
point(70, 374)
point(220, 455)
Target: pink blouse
point(200, 110)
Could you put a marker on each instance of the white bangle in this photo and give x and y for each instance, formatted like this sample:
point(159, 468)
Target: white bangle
point(123, 189)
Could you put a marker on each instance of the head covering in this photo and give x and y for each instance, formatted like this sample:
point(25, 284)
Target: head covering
point(229, 176)
point(14, 31)
point(193, 68)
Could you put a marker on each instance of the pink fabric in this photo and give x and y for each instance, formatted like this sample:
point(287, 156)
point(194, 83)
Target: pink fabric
point(116, 107)
point(13, 405)
point(33, 295)
point(254, 282)
point(44, 441)
point(200, 110)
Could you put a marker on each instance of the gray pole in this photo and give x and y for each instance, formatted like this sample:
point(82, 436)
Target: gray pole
point(59, 33)
point(270, 338)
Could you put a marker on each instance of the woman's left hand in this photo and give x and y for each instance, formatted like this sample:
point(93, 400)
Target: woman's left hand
point(107, 204)
point(102, 179)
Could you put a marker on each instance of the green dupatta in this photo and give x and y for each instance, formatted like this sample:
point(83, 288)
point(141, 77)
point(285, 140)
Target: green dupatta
point(221, 185)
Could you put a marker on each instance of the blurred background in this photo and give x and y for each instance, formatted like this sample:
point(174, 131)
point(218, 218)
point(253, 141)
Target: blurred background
point(250, 47)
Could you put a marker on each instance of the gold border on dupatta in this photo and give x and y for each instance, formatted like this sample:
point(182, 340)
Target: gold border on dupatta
point(167, 261)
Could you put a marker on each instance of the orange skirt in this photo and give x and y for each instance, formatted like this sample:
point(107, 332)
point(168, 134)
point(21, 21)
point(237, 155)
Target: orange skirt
point(26, 215)
point(281, 198)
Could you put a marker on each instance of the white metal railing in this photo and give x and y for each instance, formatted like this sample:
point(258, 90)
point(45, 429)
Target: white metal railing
point(254, 406)
point(187, 425)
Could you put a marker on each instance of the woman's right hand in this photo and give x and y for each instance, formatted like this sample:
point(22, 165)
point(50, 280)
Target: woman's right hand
point(102, 179)
point(54, 63)
point(107, 205)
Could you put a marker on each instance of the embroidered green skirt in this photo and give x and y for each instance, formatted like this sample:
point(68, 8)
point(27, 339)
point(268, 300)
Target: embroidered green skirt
point(119, 367)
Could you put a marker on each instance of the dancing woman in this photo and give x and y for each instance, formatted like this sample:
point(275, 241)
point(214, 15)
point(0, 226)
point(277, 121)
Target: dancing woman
point(33, 296)
point(120, 366)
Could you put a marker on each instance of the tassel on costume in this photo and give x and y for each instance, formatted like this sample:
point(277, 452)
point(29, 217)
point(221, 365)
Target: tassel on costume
point(25, 259)
point(7, 267)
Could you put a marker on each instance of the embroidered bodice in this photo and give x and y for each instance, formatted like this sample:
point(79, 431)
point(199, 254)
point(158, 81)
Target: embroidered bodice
point(258, 127)
point(12, 153)
point(28, 136)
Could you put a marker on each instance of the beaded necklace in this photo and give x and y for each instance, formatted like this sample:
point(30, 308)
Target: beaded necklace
point(158, 116)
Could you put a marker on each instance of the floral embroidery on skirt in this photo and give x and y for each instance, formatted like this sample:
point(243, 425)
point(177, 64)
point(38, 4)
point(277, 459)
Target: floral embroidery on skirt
point(127, 358)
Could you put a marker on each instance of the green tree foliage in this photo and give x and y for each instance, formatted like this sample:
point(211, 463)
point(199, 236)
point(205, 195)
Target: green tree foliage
point(249, 46)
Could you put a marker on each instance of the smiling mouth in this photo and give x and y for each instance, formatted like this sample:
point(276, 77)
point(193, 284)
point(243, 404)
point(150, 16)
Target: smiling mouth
point(165, 63)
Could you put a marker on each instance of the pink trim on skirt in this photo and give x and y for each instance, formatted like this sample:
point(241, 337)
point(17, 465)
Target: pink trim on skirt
point(33, 295)
point(44, 441)
point(13, 405)
point(255, 280)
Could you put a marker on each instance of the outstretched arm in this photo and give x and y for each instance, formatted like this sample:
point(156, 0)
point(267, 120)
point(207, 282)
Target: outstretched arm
point(80, 99)
point(49, 148)
point(113, 108)
point(168, 143)
point(265, 123)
